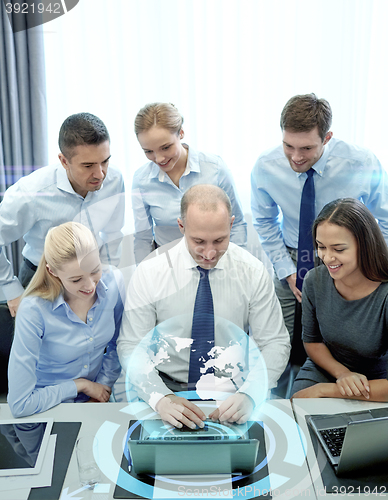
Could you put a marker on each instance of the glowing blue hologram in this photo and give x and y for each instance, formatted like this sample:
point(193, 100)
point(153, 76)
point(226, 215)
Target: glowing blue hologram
point(136, 407)
point(235, 360)
point(237, 363)
point(112, 470)
point(274, 480)
point(158, 429)
point(295, 453)
point(277, 480)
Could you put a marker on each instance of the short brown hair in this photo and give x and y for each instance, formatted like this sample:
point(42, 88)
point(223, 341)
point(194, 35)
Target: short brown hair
point(158, 114)
point(207, 196)
point(372, 255)
point(81, 129)
point(302, 113)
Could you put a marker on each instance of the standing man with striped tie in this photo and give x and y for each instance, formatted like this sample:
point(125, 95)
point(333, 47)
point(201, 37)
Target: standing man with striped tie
point(202, 292)
point(286, 200)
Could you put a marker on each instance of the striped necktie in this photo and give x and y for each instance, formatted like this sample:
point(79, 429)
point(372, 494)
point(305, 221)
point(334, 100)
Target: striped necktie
point(306, 220)
point(202, 331)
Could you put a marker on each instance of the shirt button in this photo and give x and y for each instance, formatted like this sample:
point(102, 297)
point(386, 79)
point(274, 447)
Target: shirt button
point(90, 319)
point(85, 366)
point(91, 339)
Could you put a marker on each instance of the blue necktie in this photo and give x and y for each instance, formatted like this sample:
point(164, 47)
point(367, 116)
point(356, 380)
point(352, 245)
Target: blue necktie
point(306, 220)
point(202, 331)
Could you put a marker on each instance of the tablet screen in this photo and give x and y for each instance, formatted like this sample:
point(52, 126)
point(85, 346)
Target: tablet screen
point(160, 430)
point(23, 446)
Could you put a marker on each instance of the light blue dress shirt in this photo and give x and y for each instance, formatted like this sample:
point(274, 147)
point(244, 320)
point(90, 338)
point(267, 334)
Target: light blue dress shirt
point(156, 200)
point(53, 347)
point(343, 171)
point(45, 199)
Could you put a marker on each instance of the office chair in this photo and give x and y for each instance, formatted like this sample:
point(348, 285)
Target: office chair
point(7, 325)
point(298, 354)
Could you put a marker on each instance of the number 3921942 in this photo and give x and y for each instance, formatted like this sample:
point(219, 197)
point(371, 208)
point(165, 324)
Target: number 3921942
point(33, 8)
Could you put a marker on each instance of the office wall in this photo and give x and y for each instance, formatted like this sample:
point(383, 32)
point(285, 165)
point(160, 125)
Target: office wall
point(229, 66)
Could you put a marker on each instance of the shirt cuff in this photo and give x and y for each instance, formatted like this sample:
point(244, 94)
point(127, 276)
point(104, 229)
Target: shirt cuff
point(284, 268)
point(256, 402)
point(68, 390)
point(155, 397)
point(12, 290)
point(103, 379)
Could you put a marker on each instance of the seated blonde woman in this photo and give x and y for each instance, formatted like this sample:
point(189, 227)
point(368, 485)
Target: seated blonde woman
point(66, 328)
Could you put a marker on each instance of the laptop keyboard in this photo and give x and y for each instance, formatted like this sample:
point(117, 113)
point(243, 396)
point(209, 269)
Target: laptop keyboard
point(334, 439)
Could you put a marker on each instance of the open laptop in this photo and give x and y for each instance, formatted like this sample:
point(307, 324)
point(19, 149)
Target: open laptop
point(354, 440)
point(215, 449)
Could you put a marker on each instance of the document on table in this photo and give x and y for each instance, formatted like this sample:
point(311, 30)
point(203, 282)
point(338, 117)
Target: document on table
point(18, 494)
point(200, 485)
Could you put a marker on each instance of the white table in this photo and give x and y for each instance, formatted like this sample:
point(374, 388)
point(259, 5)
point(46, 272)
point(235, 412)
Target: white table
point(303, 407)
point(288, 473)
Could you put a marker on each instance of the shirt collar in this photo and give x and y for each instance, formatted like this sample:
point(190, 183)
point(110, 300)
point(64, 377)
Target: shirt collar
point(193, 160)
point(100, 291)
point(63, 184)
point(320, 165)
point(191, 166)
point(189, 262)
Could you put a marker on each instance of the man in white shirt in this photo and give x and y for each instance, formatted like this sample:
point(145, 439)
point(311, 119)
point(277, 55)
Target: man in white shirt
point(161, 299)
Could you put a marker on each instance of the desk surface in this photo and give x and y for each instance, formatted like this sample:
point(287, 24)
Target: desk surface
point(288, 473)
point(302, 407)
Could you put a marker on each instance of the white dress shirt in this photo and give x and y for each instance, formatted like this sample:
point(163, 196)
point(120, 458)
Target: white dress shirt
point(163, 289)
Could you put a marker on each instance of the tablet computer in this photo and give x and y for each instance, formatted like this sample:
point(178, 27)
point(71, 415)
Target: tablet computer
point(160, 430)
point(23, 445)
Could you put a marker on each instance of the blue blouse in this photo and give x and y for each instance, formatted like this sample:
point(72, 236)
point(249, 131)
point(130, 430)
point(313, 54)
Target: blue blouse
point(156, 200)
point(53, 346)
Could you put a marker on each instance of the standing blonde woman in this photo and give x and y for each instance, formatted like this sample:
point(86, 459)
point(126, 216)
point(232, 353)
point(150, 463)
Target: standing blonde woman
point(174, 167)
point(66, 328)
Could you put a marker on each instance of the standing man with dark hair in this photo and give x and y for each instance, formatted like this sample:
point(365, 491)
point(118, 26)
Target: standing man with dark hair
point(286, 200)
point(80, 188)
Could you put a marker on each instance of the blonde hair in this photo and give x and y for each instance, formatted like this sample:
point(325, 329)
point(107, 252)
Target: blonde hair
point(63, 244)
point(158, 114)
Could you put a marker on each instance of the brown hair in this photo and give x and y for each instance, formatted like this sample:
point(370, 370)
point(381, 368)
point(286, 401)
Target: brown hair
point(158, 114)
point(372, 255)
point(81, 129)
point(302, 113)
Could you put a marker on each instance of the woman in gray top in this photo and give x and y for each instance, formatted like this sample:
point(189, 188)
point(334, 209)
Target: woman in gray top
point(345, 307)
